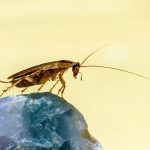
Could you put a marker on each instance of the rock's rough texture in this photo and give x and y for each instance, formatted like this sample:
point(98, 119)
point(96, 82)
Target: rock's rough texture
point(42, 121)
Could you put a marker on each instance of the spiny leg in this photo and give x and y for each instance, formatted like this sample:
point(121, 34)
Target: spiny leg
point(62, 92)
point(8, 88)
point(44, 82)
point(41, 87)
point(62, 89)
point(54, 86)
point(22, 91)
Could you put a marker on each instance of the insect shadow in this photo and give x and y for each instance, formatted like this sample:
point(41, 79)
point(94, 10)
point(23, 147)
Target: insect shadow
point(52, 71)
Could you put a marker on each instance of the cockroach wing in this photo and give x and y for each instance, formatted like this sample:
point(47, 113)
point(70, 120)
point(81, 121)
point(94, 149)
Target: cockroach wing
point(46, 66)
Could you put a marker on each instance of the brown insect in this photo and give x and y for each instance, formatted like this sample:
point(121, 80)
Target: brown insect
point(51, 71)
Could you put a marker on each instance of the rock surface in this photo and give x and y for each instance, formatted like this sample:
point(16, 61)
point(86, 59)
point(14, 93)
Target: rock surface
point(42, 121)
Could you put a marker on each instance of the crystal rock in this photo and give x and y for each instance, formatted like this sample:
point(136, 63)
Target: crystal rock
point(43, 121)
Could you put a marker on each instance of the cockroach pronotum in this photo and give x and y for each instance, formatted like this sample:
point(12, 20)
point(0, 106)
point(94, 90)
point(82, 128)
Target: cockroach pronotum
point(51, 71)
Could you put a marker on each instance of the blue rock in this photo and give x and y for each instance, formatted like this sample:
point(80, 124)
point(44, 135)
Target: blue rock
point(43, 121)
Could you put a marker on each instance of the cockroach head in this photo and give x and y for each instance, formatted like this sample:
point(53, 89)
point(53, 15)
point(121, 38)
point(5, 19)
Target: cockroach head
point(75, 69)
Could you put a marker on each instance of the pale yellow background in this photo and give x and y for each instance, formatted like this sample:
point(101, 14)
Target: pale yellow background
point(116, 105)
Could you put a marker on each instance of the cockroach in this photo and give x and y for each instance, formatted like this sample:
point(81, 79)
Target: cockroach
point(51, 71)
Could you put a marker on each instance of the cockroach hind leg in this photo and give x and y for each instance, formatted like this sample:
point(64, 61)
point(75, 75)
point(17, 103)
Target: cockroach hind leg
point(39, 89)
point(22, 91)
point(4, 91)
point(45, 81)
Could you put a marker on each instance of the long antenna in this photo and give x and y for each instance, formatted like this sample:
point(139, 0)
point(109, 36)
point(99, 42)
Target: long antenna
point(93, 53)
point(118, 69)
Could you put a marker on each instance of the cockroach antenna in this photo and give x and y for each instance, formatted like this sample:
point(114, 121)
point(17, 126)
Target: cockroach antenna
point(93, 53)
point(118, 69)
point(106, 67)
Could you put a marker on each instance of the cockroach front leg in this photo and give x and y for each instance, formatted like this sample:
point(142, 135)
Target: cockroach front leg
point(62, 89)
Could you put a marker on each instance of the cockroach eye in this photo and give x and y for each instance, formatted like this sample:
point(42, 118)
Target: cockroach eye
point(75, 69)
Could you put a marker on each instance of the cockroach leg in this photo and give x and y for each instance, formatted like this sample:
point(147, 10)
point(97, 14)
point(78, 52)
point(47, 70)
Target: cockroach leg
point(22, 91)
point(60, 91)
point(54, 86)
point(43, 83)
point(4, 91)
point(41, 87)
point(63, 89)
point(8, 88)
point(63, 84)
